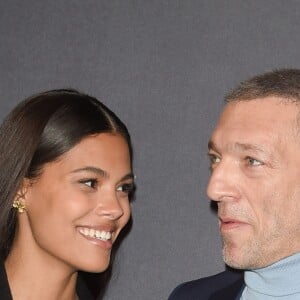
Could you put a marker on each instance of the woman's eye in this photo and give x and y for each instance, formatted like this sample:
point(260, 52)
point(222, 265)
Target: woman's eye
point(126, 188)
point(253, 162)
point(92, 183)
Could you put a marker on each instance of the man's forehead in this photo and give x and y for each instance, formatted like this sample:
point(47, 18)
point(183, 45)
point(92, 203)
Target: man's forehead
point(262, 110)
point(253, 123)
point(245, 143)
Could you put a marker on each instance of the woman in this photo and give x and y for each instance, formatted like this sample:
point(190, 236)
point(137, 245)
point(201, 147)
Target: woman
point(65, 184)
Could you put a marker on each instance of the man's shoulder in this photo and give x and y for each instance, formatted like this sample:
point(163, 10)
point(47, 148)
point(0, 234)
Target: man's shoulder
point(203, 288)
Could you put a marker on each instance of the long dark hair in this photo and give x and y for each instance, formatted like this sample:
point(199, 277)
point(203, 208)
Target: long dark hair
point(38, 131)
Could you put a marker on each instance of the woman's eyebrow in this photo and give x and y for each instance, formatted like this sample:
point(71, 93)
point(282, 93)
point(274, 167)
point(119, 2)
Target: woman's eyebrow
point(101, 172)
point(92, 169)
point(128, 176)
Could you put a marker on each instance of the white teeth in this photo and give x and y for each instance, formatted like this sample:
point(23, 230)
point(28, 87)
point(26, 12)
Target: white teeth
point(97, 234)
point(102, 234)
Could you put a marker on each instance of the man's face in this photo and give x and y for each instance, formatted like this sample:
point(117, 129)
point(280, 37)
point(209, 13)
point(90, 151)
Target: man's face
point(255, 162)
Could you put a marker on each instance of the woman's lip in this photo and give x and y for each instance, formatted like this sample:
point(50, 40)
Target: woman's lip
point(105, 244)
point(104, 227)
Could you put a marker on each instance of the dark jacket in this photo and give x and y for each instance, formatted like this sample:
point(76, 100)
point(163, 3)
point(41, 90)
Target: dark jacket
point(5, 294)
point(227, 285)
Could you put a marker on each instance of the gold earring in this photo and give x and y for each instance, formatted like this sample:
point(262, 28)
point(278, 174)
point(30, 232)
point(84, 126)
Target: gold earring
point(19, 206)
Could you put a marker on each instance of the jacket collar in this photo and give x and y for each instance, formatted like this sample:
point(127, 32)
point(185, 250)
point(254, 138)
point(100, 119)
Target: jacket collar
point(231, 292)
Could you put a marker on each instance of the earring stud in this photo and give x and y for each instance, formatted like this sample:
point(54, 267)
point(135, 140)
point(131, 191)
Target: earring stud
point(19, 206)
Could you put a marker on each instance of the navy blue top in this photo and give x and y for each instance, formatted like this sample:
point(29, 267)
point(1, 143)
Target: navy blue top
point(226, 285)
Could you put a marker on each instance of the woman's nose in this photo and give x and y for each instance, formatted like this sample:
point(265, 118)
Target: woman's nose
point(109, 206)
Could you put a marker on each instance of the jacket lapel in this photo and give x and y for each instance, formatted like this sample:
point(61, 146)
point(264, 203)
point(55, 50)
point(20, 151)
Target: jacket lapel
point(231, 292)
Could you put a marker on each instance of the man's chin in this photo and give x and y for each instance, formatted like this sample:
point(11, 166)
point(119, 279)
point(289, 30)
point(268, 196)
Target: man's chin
point(240, 262)
point(234, 259)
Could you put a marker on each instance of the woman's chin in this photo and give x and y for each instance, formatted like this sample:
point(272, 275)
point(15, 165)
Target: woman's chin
point(95, 267)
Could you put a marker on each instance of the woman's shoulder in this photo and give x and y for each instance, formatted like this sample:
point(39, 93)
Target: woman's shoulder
point(82, 289)
point(4, 286)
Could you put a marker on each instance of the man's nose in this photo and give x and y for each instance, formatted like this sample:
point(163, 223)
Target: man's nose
point(223, 183)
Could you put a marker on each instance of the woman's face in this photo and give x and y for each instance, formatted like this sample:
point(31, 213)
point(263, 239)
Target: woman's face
point(78, 206)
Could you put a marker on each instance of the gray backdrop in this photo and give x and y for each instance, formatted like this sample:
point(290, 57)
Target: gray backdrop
point(164, 67)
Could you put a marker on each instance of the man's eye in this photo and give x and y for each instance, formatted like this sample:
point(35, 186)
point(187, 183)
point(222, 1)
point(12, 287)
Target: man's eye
point(126, 188)
point(214, 159)
point(91, 182)
point(253, 162)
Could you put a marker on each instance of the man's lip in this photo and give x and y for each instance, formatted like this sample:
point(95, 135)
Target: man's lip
point(230, 223)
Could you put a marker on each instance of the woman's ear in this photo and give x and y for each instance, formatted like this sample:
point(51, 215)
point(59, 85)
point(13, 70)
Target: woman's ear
point(20, 199)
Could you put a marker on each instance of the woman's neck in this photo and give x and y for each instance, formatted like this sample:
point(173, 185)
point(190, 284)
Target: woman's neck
point(34, 276)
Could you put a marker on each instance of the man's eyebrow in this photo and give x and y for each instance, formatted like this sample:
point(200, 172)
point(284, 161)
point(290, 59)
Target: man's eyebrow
point(247, 147)
point(96, 170)
point(239, 146)
point(211, 145)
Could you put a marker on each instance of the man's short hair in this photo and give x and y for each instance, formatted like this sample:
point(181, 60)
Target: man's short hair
point(283, 83)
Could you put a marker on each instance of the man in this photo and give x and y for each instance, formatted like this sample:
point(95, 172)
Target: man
point(255, 181)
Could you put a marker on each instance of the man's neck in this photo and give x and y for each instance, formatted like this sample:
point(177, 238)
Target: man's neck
point(280, 279)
